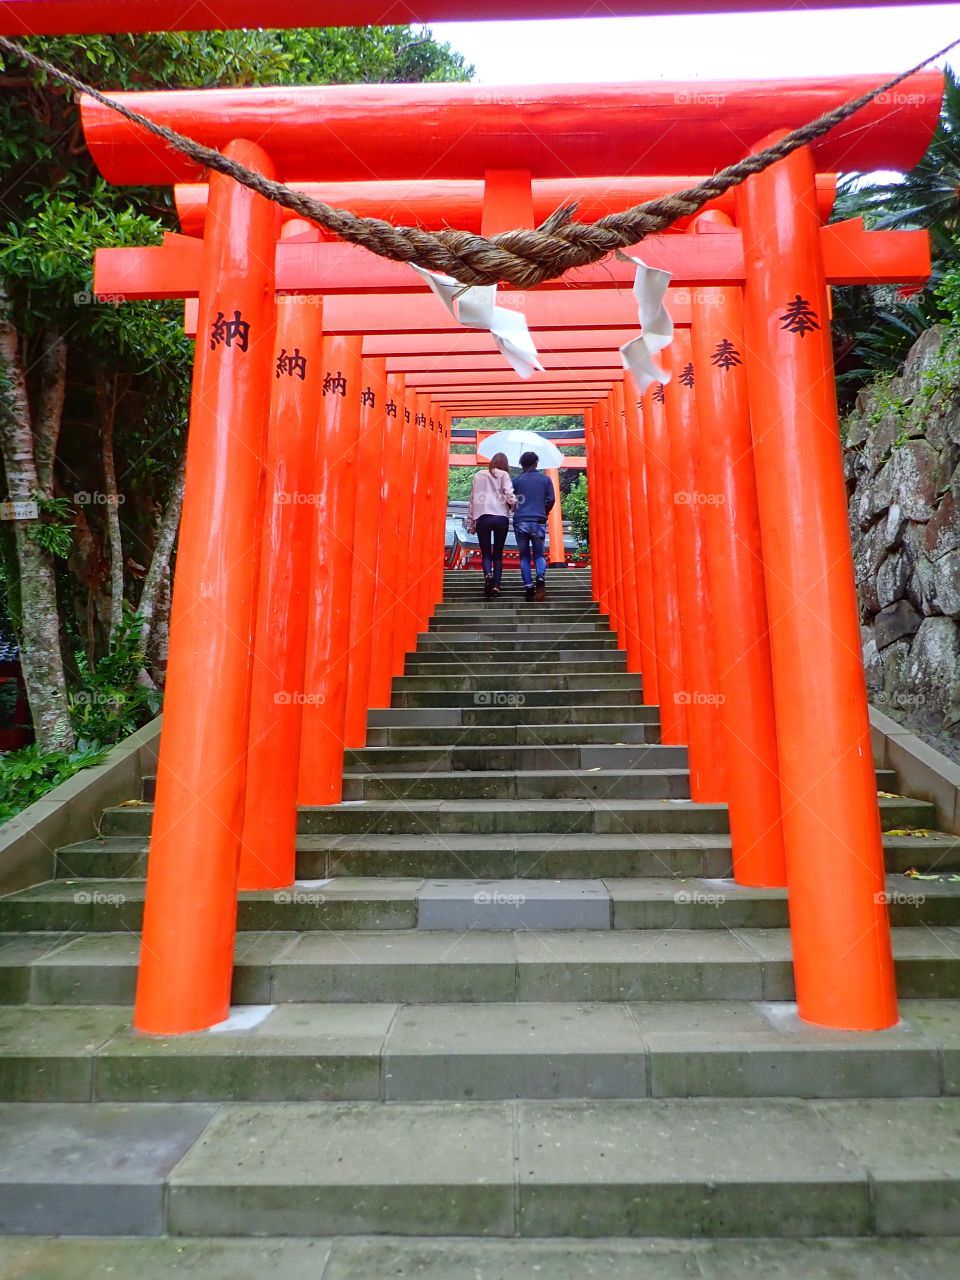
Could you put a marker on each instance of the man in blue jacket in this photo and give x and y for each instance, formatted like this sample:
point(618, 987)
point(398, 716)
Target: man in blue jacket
point(535, 497)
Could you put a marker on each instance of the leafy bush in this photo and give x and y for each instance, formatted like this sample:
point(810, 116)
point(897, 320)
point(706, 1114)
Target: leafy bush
point(113, 702)
point(575, 509)
point(28, 773)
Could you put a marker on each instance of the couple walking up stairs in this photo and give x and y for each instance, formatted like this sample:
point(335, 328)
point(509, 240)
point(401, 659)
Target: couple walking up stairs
point(514, 1019)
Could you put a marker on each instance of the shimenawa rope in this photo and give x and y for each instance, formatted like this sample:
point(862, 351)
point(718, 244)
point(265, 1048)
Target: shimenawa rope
point(524, 257)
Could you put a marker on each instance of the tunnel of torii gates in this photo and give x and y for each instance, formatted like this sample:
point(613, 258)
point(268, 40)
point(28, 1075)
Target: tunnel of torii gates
point(325, 382)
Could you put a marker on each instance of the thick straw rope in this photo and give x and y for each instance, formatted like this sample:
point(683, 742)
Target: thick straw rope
point(523, 257)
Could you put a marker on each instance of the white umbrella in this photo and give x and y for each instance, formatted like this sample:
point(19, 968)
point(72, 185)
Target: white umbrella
point(514, 443)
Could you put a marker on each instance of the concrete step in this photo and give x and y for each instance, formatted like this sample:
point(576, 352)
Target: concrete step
point(534, 736)
point(527, 629)
point(489, 784)
point(463, 1052)
point(422, 966)
point(360, 1258)
point(459, 642)
point(619, 855)
point(516, 695)
point(556, 817)
point(534, 715)
point(523, 663)
point(459, 757)
point(632, 1167)
point(510, 677)
point(461, 901)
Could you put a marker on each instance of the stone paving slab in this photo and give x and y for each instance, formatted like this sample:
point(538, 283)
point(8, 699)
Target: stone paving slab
point(513, 904)
point(46, 1054)
point(346, 1168)
point(363, 1258)
point(506, 1051)
point(91, 1170)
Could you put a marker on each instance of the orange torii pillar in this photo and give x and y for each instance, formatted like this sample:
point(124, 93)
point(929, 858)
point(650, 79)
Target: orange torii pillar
point(601, 433)
point(433, 546)
point(556, 554)
point(366, 537)
point(700, 694)
point(735, 565)
point(444, 469)
point(594, 499)
point(189, 923)
point(633, 424)
point(401, 627)
point(618, 595)
point(268, 848)
point(331, 578)
point(393, 497)
point(663, 566)
point(622, 503)
point(831, 828)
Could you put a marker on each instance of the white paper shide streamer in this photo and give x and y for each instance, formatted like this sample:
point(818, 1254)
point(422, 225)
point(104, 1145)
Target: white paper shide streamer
point(476, 308)
point(649, 288)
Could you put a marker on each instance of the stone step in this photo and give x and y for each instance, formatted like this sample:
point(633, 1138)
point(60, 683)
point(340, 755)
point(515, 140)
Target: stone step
point(665, 1167)
point(489, 784)
point(534, 736)
point(463, 1052)
point(515, 695)
point(513, 677)
point(440, 646)
point(534, 715)
point(526, 630)
point(656, 901)
point(472, 817)
point(618, 855)
point(426, 1258)
point(522, 663)
point(422, 966)
point(459, 757)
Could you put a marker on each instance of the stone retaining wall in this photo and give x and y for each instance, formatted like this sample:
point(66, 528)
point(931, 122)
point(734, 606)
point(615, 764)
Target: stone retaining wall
point(902, 466)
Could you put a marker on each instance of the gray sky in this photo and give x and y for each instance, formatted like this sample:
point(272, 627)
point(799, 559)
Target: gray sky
point(756, 45)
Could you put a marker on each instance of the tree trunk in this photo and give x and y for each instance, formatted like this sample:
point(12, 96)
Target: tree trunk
point(107, 400)
point(155, 598)
point(53, 387)
point(40, 640)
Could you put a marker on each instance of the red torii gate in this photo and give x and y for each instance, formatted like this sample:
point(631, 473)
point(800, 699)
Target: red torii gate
point(53, 17)
point(812, 690)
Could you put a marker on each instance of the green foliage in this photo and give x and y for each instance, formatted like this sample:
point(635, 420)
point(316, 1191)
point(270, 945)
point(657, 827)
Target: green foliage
point(54, 530)
point(112, 702)
point(28, 773)
point(575, 509)
point(460, 483)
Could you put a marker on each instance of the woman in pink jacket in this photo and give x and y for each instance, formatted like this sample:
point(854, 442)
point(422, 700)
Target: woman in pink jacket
point(488, 515)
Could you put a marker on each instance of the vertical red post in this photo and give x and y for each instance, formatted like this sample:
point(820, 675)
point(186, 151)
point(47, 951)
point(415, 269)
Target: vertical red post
point(598, 564)
point(268, 846)
point(393, 496)
point(611, 513)
point(735, 565)
point(663, 565)
point(633, 422)
point(621, 496)
point(556, 555)
point(328, 618)
point(186, 962)
point(701, 694)
point(841, 940)
point(366, 538)
point(409, 622)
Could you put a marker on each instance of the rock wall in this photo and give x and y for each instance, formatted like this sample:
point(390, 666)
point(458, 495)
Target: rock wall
point(902, 466)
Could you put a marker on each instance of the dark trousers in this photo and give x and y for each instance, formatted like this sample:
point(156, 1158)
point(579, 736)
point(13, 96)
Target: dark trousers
point(492, 534)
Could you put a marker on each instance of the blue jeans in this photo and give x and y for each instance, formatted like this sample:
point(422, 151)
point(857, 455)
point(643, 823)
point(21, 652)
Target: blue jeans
point(531, 535)
point(492, 534)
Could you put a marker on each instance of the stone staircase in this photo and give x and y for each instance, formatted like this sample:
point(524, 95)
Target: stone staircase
point(515, 1018)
